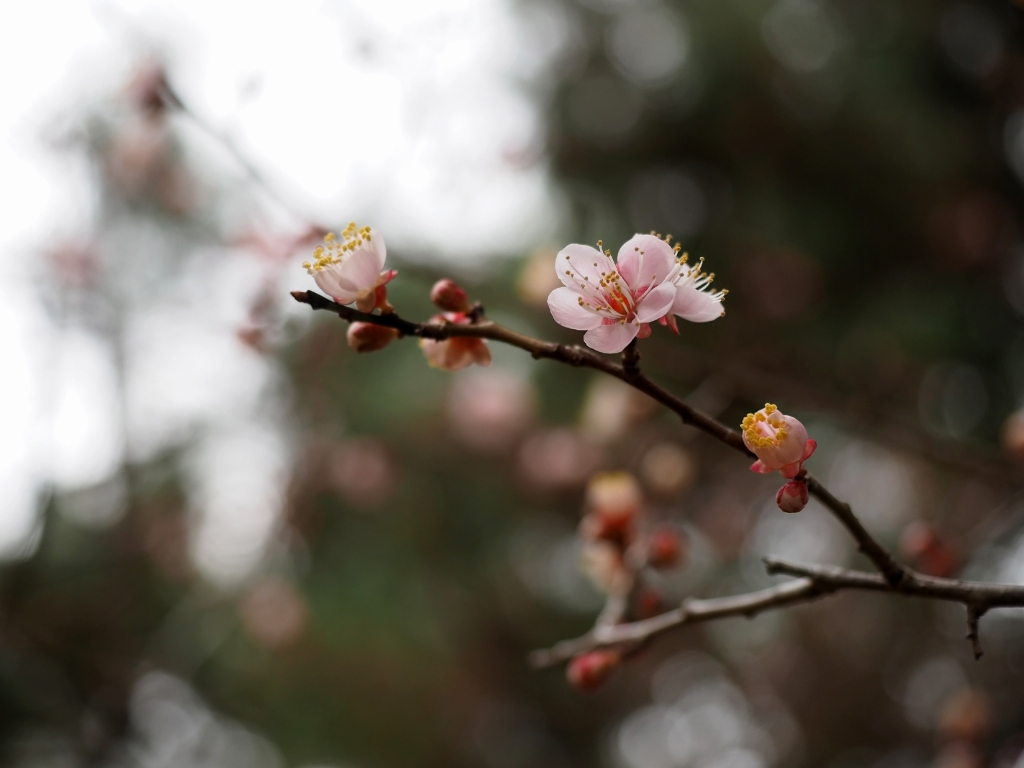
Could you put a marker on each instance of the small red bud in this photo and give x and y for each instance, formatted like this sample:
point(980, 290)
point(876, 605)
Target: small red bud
point(449, 296)
point(793, 496)
point(588, 670)
point(648, 604)
point(665, 548)
point(367, 337)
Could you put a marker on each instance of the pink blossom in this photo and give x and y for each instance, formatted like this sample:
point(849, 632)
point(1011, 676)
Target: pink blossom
point(616, 302)
point(456, 353)
point(350, 271)
point(780, 442)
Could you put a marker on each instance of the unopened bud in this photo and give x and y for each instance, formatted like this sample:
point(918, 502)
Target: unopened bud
point(367, 337)
point(648, 604)
point(449, 296)
point(665, 548)
point(793, 496)
point(588, 670)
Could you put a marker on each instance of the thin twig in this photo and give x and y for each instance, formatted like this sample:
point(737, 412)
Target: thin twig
point(974, 613)
point(813, 582)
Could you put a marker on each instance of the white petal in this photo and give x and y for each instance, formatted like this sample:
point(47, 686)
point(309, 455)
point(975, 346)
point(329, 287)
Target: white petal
point(361, 270)
point(696, 306)
point(330, 282)
point(611, 338)
point(656, 304)
point(564, 304)
point(376, 245)
point(645, 260)
point(576, 262)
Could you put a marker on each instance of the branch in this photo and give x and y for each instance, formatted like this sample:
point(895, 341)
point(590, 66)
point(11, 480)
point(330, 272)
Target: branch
point(692, 611)
point(813, 582)
point(628, 372)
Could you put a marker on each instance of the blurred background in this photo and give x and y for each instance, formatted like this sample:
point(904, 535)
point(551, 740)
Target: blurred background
point(228, 541)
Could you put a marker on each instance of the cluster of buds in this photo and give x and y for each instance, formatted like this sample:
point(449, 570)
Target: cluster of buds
point(619, 544)
point(781, 445)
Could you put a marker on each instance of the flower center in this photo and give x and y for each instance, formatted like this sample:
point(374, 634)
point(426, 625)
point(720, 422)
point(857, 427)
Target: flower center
point(611, 297)
point(334, 251)
point(766, 428)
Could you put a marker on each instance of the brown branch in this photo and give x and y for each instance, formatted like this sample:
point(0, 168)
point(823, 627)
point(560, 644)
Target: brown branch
point(812, 582)
point(630, 636)
point(629, 372)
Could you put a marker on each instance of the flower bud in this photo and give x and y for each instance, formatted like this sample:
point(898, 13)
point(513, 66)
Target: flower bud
point(449, 296)
point(793, 496)
point(665, 548)
point(779, 441)
point(588, 670)
point(458, 352)
point(615, 503)
point(367, 337)
point(648, 604)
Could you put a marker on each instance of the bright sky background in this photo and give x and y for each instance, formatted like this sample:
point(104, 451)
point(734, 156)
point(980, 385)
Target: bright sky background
point(418, 117)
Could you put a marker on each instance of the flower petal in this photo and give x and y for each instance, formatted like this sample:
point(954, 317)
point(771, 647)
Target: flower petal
point(809, 448)
point(656, 304)
point(696, 306)
point(611, 338)
point(564, 304)
point(329, 281)
point(361, 269)
point(645, 260)
point(576, 262)
point(377, 248)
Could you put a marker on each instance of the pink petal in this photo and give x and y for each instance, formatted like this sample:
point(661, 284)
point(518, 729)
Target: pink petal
point(809, 449)
point(361, 269)
point(760, 467)
point(696, 306)
point(611, 338)
point(656, 304)
point(579, 260)
point(565, 307)
point(645, 260)
point(791, 470)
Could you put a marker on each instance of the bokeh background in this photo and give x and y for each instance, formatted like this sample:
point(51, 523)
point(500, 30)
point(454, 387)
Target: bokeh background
point(229, 541)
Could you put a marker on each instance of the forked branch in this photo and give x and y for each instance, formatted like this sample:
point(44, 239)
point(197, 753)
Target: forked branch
point(812, 582)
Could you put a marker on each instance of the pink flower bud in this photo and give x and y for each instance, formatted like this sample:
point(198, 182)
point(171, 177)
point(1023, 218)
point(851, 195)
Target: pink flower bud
point(780, 442)
point(449, 296)
point(456, 353)
point(665, 548)
point(614, 502)
point(367, 337)
point(793, 496)
point(588, 670)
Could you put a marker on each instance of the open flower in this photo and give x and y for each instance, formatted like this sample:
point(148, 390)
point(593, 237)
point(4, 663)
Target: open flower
point(351, 270)
point(780, 442)
point(456, 353)
point(616, 302)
